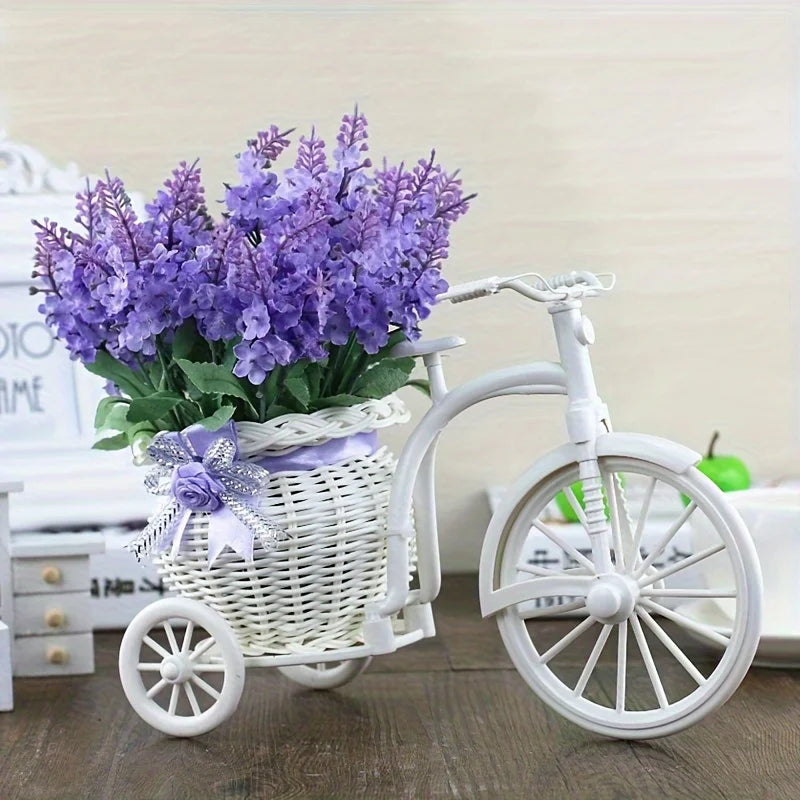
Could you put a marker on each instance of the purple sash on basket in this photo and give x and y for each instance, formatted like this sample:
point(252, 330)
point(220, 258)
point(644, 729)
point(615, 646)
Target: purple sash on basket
point(322, 455)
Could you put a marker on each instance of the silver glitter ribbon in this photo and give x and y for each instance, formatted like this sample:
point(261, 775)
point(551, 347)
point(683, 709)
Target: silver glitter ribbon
point(228, 485)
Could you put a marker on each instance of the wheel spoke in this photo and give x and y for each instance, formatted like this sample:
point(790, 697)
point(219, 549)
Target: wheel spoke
point(673, 648)
point(696, 627)
point(173, 642)
point(210, 666)
point(690, 593)
point(686, 562)
point(609, 481)
point(156, 688)
point(148, 666)
point(155, 646)
point(192, 699)
point(642, 521)
point(566, 640)
point(624, 517)
point(187, 637)
point(205, 645)
point(550, 611)
point(567, 548)
point(622, 664)
point(594, 656)
point(173, 699)
point(665, 539)
point(576, 506)
point(542, 572)
point(649, 664)
point(206, 687)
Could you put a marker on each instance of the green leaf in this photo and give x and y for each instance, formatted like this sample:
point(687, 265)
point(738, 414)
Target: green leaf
point(277, 410)
point(230, 357)
point(213, 378)
point(297, 388)
point(314, 378)
point(267, 393)
point(422, 384)
point(108, 367)
point(155, 406)
point(104, 408)
point(116, 419)
point(218, 418)
point(184, 341)
point(117, 442)
point(192, 412)
point(337, 401)
point(385, 377)
point(395, 338)
point(157, 376)
point(297, 369)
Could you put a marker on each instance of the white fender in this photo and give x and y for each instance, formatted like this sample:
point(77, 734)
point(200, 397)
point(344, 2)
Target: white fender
point(659, 451)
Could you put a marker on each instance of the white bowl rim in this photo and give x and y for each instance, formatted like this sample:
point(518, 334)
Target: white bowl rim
point(766, 498)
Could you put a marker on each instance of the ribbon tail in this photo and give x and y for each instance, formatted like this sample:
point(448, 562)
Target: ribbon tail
point(267, 530)
point(178, 530)
point(157, 531)
point(226, 529)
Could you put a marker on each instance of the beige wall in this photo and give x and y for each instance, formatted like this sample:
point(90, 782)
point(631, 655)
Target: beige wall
point(656, 140)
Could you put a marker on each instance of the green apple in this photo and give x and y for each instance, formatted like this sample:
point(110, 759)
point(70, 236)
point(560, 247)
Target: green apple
point(728, 472)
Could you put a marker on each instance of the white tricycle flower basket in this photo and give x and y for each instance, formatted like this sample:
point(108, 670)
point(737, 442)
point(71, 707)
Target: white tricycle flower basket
point(255, 358)
point(328, 490)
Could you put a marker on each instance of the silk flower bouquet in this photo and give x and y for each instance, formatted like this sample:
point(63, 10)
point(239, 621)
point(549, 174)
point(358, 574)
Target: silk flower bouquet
point(249, 358)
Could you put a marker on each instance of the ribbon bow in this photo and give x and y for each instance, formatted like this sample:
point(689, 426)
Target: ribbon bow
point(200, 471)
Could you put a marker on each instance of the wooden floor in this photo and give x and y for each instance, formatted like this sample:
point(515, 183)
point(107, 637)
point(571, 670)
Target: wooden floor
point(448, 717)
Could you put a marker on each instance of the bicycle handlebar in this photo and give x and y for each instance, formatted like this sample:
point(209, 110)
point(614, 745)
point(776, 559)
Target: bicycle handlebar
point(559, 287)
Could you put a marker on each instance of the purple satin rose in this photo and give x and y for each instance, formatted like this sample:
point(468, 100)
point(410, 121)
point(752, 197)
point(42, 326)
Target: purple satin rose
point(194, 488)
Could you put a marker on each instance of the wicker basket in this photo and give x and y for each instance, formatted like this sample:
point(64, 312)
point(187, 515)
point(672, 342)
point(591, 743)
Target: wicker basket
point(309, 593)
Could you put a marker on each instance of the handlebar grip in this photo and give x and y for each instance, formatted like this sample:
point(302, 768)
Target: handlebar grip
point(573, 278)
point(471, 290)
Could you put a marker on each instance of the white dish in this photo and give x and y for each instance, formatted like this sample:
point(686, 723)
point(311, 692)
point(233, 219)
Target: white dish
point(776, 649)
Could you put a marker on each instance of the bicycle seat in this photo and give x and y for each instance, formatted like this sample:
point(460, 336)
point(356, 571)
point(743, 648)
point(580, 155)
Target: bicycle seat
point(426, 347)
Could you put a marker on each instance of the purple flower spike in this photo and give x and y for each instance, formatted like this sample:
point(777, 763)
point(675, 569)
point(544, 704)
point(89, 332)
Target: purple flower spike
point(321, 254)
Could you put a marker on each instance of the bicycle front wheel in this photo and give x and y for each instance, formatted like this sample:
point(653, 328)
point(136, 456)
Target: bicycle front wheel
point(631, 660)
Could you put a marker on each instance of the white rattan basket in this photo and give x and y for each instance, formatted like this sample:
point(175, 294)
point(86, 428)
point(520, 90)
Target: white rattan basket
point(308, 594)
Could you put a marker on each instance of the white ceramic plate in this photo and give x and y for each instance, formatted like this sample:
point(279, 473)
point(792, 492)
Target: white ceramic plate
point(776, 649)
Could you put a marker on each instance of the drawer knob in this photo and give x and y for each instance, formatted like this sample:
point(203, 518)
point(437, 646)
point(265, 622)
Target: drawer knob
point(55, 618)
point(57, 655)
point(51, 575)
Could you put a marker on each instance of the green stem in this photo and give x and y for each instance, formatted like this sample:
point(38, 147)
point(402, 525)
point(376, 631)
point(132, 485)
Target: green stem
point(334, 354)
point(145, 373)
point(175, 415)
point(712, 444)
point(345, 366)
point(352, 374)
point(269, 391)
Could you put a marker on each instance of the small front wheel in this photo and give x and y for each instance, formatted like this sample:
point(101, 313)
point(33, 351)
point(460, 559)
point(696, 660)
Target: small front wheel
point(624, 655)
point(186, 687)
point(326, 674)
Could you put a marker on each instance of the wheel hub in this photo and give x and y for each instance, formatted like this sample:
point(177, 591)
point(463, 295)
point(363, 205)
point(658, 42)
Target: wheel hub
point(612, 598)
point(176, 669)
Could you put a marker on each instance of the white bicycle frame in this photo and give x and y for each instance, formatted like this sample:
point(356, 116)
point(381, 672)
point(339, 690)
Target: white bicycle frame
point(587, 416)
point(404, 616)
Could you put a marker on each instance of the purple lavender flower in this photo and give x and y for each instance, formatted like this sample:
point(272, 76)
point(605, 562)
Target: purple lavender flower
point(324, 253)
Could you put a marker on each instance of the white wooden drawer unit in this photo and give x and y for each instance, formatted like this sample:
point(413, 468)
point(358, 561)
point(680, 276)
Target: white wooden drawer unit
point(51, 615)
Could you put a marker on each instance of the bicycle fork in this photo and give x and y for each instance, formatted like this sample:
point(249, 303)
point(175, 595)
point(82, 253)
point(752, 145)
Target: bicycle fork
point(587, 416)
